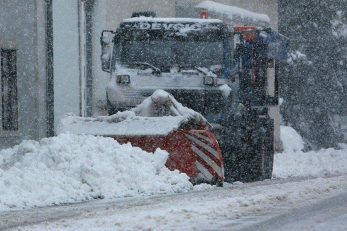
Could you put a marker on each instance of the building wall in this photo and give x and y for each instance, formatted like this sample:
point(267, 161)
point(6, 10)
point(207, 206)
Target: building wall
point(22, 27)
point(66, 56)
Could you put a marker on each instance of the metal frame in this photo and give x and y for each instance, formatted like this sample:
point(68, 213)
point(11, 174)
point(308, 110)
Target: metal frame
point(8, 133)
point(49, 69)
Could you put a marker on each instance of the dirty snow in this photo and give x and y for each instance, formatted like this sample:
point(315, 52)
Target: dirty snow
point(72, 168)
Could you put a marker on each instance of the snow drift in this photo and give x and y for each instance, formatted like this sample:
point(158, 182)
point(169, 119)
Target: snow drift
point(291, 140)
point(72, 168)
point(293, 162)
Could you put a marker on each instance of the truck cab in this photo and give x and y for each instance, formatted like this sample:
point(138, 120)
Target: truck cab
point(190, 58)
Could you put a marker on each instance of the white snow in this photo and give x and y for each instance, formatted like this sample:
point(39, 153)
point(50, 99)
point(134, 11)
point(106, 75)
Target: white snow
point(162, 98)
point(314, 163)
point(72, 168)
point(339, 28)
point(293, 162)
point(228, 208)
point(232, 11)
point(225, 89)
point(139, 121)
point(291, 140)
point(102, 126)
point(297, 55)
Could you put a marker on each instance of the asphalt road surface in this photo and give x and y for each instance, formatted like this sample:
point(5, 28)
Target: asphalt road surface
point(328, 214)
point(290, 204)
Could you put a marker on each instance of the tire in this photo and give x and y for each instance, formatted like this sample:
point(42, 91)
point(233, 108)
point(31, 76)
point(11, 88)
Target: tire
point(248, 150)
point(270, 151)
point(232, 153)
point(263, 149)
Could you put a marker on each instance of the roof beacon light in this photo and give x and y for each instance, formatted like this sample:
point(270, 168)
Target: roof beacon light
point(204, 14)
point(248, 32)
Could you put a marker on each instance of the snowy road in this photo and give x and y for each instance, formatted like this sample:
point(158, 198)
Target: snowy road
point(233, 207)
point(328, 214)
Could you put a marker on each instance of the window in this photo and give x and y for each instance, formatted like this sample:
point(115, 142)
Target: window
point(9, 99)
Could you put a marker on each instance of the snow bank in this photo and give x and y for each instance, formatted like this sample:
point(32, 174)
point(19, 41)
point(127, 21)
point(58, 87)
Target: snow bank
point(291, 140)
point(72, 168)
point(232, 11)
point(293, 162)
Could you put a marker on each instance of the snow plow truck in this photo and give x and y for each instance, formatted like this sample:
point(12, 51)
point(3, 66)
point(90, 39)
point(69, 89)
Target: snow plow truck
point(219, 72)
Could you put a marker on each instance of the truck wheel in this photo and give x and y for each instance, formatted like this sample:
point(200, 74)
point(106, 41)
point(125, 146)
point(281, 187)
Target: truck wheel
point(229, 144)
point(248, 151)
point(269, 157)
point(263, 147)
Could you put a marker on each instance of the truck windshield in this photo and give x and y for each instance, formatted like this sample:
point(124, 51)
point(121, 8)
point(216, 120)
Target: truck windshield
point(166, 53)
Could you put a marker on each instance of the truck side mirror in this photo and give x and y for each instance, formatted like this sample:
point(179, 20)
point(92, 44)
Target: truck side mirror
point(106, 40)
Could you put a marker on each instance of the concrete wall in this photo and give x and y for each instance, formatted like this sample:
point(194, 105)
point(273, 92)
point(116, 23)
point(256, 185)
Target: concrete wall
point(22, 27)
point(66, 59)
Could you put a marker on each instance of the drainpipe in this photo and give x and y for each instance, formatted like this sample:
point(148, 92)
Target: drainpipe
point(49, 69)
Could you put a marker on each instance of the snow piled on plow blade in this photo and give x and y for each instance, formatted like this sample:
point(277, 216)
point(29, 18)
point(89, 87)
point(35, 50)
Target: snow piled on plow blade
point(157, 115)
point(131, 125)
point(73, 168)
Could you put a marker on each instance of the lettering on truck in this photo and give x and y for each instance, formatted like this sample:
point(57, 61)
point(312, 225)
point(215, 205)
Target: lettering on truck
point(171, 26)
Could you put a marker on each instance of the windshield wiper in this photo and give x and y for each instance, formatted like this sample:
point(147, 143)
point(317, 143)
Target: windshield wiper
point(155, 69)
point(205, 72)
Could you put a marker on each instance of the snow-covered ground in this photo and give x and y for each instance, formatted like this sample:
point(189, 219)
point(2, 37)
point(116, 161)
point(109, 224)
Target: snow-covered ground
point(72, 168)
point(293, 162)
point(229, 208)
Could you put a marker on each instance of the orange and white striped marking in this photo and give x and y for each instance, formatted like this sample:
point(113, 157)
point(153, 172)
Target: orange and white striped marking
point(208, 155)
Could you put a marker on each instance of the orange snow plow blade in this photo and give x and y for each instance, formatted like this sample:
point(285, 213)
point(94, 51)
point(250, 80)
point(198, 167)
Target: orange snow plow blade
point(194, 152)
point(162, 122)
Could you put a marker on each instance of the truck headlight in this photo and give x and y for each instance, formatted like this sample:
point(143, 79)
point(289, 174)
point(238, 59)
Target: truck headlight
point(123, 79)
point(208, 80)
